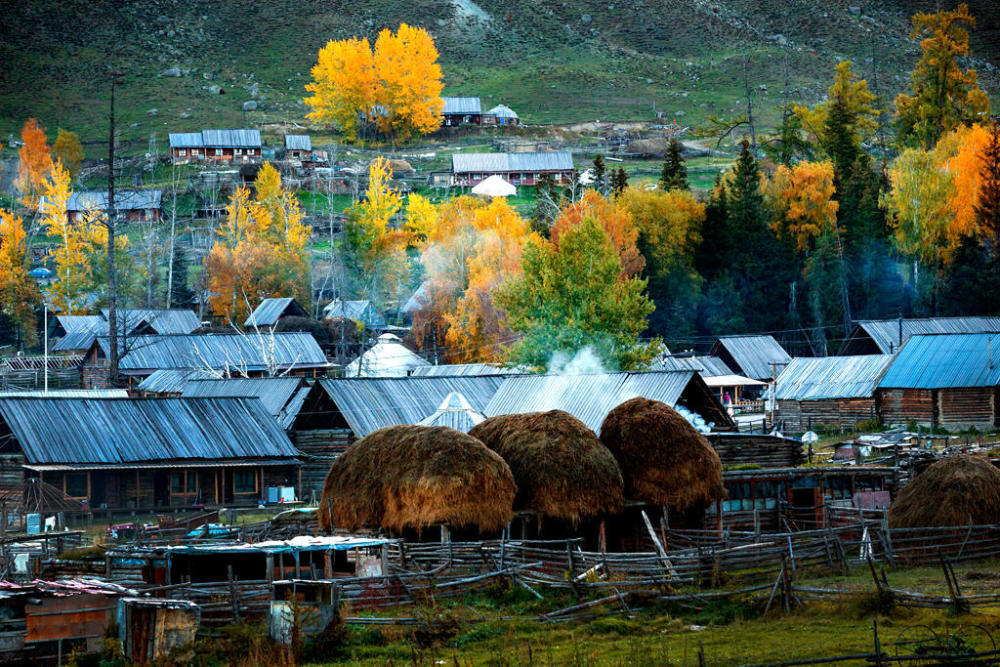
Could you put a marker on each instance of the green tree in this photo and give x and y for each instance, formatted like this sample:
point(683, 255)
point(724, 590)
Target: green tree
point(674, 175)
point(572, 296)
point(181, 296)
point(548, 202)
point(619, 181)
point(600, 174)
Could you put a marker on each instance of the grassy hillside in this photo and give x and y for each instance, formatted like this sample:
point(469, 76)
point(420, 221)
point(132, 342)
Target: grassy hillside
point(553, 61)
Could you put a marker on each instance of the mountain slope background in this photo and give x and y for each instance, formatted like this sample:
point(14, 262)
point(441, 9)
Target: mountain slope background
point(552, 61)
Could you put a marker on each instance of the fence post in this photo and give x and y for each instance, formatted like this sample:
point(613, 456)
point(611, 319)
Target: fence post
point(233, 598)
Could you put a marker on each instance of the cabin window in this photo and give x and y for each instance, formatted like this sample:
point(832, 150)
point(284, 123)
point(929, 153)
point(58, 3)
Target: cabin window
point(244, 481)
point(237, 151)
point(76, 484)
point(192, 481)
point(218, 151)
point(177, 482)
point(182, 152)
point(194, 151)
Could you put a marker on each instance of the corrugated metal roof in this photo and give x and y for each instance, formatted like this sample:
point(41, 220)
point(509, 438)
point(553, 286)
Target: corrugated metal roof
point(707, 366)
point(67, 393)
point(885, 333)
point(755, 354)
point(462, 105)
point(220, 351)
point(588, 397)
point(271, 310)
point(173, 321)
point(388, 357)
point(231, 138)
point(125, 200)
point(275, 393)
point(82, 323)
point(354, 310)
point(369, 404)
point(186, 140)
point(172, 381)
point(298, 142)
point(819, 378)
point(122, 430)
point(465, 163)
point(943, 361)
point(76, 341)
point(454, 412)
point(502, 111)
point(462, 370)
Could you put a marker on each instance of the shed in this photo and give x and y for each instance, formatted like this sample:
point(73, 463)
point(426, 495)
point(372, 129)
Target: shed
point(461, 111)
point(359, 310)
point(387, 358)
point(887, 336)
point(454, 412)
point(139, 452)
point(501, 114)
point(271, 310)
point(828, 392)
point(946, 380)
point(590, 397)
point(755, 356)
point(130, 205)
point(170, 382)
point(298, 146)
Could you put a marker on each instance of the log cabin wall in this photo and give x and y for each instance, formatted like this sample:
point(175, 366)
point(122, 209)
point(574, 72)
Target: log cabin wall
point(967, 407)
point(320, 447)
point(834, 413)
point(899, 406)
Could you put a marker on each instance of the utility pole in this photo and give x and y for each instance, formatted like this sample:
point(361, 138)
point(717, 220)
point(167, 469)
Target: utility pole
point(112, 229)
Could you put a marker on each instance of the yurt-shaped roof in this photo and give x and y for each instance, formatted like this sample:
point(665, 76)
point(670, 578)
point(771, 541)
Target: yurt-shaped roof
point(387, 358)
point(454, 412)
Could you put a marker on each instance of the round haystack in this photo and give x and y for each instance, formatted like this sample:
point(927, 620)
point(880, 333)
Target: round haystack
point(417, 476)
point(562, 470)
point(949, 493)
point(664, 460)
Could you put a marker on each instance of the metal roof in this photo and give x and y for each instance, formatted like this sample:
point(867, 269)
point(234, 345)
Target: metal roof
point(237, 352)
point(386, 358)
point(943, 361)
point(77, 340)
point(173, 321)
point(462, 105)
point(886, 333)
point(231, 138)
point(362, 310)
point(298, 142)
point(368, 404)
point(707, 366)
point(82, 323)
point(67, 393)
point(819, 378)
point(588, 397)
point(271, 310)
point(277, 394)
point(186, 140)
point(123, 430)
point(463, 370)
point(755, 355)
point(464, 163)
point(502, 111)
point(172, 381)
point(125, 200)
point(454, 412)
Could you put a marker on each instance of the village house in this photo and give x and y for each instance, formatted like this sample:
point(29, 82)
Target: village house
point(361, 310)
point(216, 145)
point(470, 169)
point(887, 336)
point(501, 115)
point(298, 147)
point(129, 453)
point(755, 356)
point(388, 357)
point(950, 381)
point(76, 333)
point(828, 392)
point(241, 355)
point(270, 311)
point(130, 205)
point(461, 111)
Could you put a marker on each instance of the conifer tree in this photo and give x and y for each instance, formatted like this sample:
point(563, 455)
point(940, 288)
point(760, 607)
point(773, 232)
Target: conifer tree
point(988, 201)
point(674, 176)
point(619, 181)
point(600, 174)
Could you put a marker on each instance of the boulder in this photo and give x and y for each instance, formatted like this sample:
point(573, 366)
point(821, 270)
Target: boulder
point(249, 105)
point(401, 167)
point(173, 71)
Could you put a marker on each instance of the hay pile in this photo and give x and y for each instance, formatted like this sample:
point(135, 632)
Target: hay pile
point(417, 476)
point(401, 167)
point(654, 147)
point(562, 470)
point(948, 493)
point(664, 460)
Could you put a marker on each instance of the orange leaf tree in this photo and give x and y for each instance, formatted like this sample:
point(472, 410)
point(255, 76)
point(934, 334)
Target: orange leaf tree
point(68, 150)
point(19, 295)
point(35, 163)
point(614, 219)
point(802, 200)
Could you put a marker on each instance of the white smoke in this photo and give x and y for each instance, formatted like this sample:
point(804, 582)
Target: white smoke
point(583, 361)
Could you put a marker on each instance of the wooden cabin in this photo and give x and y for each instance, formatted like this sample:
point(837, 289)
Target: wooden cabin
point(470, 169)
point(298, 147)
point(130, 205)
point(759, 357)
point(887, 336)
point(461, 111)
point(234, 146)
point(267, 314)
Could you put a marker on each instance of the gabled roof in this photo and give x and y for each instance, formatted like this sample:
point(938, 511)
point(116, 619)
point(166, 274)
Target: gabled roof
point(462, 105)
point(945, 361)
point(125, 200)
point(132, 320)
point(298, 142)
point(186, 140)
point(173, 321)
point(464, 163)
point(707, 366)
point(755, 355)
point(820, 378)
point(444, 370)
point(454, 412)
point(281, 397)
point(271, 310)
point(388, 357)
point(216, 139)
point(172, 381)
point(132, 430)
point(368, 404)
point(590, 397)
point(354, 310)
point(502, 111)
point(82, 323)
point(886, 333)
point(237, 352)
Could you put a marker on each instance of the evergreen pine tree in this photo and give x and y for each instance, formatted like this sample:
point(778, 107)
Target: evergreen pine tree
point(619, 181)
point(181, 295)
point(674, 174)
point(988, 199)
point(600, 175)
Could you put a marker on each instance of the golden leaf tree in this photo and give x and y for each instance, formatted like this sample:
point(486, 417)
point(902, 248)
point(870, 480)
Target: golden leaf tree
point(942, 94)
point(35, 163)
point(802, 198)
point(73, 270)
point(263, 249)
point(614, 219)
point(397, 87)
point(19, 296)
point(68, 150)
point(849, 95)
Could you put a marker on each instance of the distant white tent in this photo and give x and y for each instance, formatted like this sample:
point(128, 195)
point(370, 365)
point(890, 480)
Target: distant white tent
point(454, 412)
point(387, 358)
point(494, 186)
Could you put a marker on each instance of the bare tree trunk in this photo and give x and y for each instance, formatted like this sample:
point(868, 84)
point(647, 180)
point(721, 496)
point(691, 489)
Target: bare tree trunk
point(748, 92)
point(173, 232)
point(112, 232)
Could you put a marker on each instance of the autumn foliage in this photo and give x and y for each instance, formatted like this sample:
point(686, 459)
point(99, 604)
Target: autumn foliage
point(18, 293)
point(803, 202)
point(35, 163)
point(395, 86)
point(614, 219)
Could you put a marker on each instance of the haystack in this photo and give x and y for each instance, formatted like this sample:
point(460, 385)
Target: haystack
point(664, 460)
point(417, 476)
point(948, 493)
point(562, 470)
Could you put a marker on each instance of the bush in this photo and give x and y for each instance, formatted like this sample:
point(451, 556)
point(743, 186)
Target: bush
point(873, 425)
